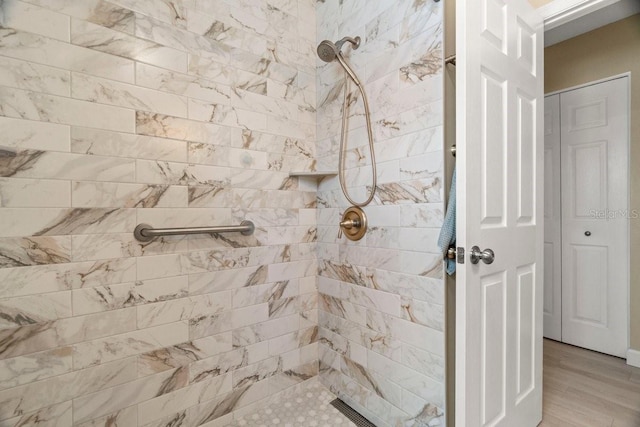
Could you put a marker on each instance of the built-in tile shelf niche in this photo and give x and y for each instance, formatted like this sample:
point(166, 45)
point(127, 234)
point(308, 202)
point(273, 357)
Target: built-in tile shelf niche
point(317, 175)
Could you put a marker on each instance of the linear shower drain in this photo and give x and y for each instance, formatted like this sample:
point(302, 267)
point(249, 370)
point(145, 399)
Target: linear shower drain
point(351, 413)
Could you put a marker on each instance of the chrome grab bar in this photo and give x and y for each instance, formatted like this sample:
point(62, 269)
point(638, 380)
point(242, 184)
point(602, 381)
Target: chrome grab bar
point(146, 233)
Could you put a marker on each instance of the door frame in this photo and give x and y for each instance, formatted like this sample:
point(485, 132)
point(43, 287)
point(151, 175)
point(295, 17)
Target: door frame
point(560, 12)
point(626, 75)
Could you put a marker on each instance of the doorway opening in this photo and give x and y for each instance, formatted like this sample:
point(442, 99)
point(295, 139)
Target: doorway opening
point(586, 221)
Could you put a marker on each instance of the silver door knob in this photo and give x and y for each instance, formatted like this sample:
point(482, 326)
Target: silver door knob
point(487, 256)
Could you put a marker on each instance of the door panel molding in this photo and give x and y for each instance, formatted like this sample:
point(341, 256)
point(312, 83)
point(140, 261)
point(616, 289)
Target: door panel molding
point(499, 189)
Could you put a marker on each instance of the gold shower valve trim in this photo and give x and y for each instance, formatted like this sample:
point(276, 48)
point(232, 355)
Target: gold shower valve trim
point(353, 224)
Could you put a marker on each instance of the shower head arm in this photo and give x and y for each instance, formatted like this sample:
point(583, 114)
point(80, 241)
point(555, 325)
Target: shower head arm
point(355, 42)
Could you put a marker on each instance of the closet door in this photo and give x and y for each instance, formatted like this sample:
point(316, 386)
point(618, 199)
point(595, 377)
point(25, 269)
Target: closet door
point(594, 140)
point(552, 303)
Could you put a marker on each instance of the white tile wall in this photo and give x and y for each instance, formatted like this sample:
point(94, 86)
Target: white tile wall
point(190, 113)
point(382, 298)
point(174, 113)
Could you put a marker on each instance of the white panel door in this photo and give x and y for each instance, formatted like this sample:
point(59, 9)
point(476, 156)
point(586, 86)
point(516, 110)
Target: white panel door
point(594, 135)
point(500, 201)
point(552, 305)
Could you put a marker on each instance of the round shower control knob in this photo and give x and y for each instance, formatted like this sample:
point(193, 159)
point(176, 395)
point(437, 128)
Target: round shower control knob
point(353, 224)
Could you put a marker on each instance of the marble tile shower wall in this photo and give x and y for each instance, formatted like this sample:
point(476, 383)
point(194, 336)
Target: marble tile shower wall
point(172, 113)
point(382, 298)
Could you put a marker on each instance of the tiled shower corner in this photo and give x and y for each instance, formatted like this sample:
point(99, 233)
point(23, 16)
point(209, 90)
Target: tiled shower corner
point(382, 298)
point(183, 113)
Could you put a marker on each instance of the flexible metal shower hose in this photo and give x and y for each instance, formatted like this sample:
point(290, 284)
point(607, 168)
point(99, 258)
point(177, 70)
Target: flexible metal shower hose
point(343, 141)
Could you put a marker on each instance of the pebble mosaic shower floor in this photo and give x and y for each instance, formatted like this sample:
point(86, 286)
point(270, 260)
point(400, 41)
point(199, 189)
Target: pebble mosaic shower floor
point(311, 408)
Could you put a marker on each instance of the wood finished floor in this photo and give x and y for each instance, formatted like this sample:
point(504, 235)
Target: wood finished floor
point(583, 388)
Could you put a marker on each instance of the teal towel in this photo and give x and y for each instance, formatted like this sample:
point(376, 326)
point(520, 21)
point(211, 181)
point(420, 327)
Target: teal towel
point(448, 232)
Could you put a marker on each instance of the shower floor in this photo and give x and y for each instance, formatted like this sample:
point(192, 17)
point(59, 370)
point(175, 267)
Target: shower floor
point(311, 408)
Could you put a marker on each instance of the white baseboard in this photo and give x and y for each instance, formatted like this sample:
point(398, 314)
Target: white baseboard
point(633, 358)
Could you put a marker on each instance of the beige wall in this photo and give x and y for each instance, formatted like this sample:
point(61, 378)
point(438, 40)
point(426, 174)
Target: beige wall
point(607, 51)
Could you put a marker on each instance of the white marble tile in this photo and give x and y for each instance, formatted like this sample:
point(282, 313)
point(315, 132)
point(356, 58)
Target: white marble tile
point(178, 128)
point(191, 308)
point(59, 277)
point(409, 52)
point(292, 341)
point(182, 84)
point(222, 29)
point(123, 245)
point(113, 297)
point(421, 337)
point(110, 92)
point(28, 134)
point(99, 12)
point(28, 251)
point(214, 324)
point(218, 155)
point(420, 239)
point(176, 401)
point(38, 78)
point(421, 410)
point(158, 266)
point(106, 401)
point(59, 415)
point(116, 144)
point(34, 193)
point(115, 347)
point(34, 367)
point(42, 50)
point(16, 222)
point(158, 172)
point(29, 310)
point(256, 61)
point(227, 279)
point(87, 194)
point(424, 362)
point(421, 263)
point(259, 294)
point(263, 180)
point(42, 336)
point(159, 32)
point(422, 215)
point(55, 165)
point(423, 117)
point(428, 389)
point(291, 270)
point(127, 417)
point(292, 129)
point(28, 17)
point(210, 67)
point(116, 43)
point(183, 354)
point(31, 397)
point(171, 12)
point(272, 106)
point(226, 115)
point(49, 108)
